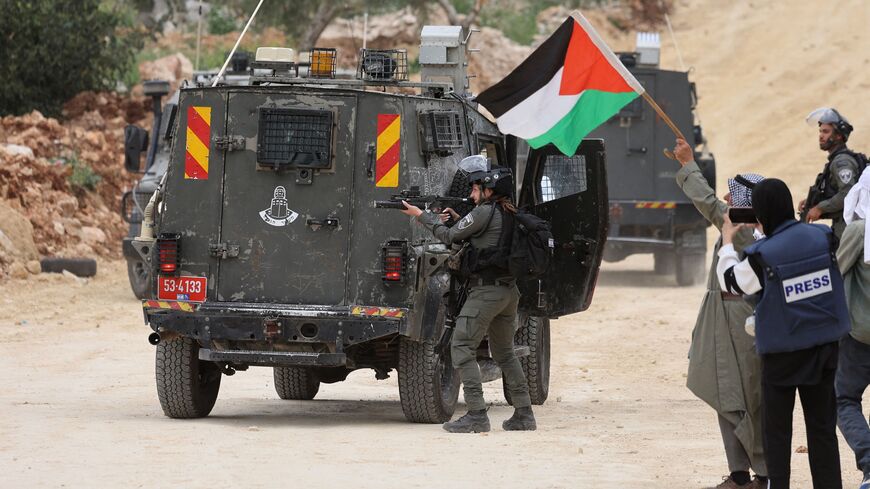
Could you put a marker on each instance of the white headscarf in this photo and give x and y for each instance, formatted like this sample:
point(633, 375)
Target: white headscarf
point(857, 206)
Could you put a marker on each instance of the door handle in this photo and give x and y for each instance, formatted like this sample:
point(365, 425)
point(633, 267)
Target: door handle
point(317, 223)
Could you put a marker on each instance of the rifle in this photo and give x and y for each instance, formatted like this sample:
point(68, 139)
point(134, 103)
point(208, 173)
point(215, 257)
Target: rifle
point(814, 196)
point(456, 295)
point(413, 197)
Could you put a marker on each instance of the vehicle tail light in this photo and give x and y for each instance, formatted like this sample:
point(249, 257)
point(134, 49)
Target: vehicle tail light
point(395, 261)
point(168, 252)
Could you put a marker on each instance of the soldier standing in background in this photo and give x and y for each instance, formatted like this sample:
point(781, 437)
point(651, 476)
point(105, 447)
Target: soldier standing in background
point(853, 370)
point(839, 174)
point(724, 370)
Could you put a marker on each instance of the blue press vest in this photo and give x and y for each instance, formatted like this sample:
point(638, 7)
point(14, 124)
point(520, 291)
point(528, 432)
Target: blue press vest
point(803, 302)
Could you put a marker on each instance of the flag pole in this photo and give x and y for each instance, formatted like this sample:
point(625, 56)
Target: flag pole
point(664, 116)
point(667, 120)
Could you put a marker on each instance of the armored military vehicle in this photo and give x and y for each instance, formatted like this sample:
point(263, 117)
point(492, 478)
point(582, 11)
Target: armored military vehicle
point(648, 211)
point(268, 249)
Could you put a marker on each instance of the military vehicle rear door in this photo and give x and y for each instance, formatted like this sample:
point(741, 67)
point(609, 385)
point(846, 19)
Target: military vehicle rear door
point(571, 193)
point(285, 228)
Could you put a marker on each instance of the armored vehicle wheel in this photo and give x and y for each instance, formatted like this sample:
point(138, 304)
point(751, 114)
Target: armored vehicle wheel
point(534, 332)
point(186, 386)
point(690, 269)
point(295, 383)
point(139, 277)
point(460, 187)
point(428, 383)
point(665, 262)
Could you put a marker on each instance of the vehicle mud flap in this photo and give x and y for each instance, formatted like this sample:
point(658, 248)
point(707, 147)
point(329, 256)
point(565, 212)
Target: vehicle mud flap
point(428, 383)
point(534, 332)
point(186, 386)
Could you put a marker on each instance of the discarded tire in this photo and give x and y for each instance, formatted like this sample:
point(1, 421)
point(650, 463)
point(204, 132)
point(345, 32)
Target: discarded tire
point(80, 267)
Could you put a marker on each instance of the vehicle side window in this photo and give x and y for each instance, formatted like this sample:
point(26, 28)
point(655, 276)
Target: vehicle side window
point(492, 150)
point(561, 176)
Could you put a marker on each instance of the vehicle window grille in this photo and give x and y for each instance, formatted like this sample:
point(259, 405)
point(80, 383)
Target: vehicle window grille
point(294, 138)
point(383, 65)
point(442, 131)
point(447, 133)
point(562, 176)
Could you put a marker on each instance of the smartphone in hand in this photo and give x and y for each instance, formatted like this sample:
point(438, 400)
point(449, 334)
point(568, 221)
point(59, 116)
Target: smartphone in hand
point(742, 215)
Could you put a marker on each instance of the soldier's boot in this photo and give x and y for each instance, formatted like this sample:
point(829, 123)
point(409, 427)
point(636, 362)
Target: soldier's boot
point(470, 422)
point(522, 420)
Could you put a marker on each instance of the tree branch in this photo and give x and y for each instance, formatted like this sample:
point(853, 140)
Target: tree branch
point(471, 18)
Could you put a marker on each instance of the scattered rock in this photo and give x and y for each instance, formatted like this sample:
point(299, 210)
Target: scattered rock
point(173, 69)
point(34, 267)
point(93, 236)
point(16, 149)
point(16, 234)
point(17, 270)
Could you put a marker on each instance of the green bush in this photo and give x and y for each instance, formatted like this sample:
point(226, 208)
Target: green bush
point(221, 21)
point(82, 177)
point(54, 49)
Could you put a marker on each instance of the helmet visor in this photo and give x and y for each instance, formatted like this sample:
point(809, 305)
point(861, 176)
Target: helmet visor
point(474, 164)
point(825, 115)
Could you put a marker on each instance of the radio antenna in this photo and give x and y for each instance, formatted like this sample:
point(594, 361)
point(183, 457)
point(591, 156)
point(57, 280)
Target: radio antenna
point(233, 51)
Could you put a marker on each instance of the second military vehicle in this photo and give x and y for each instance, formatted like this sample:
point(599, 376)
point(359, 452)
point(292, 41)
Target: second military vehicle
point(265, 246)
point(648, 211)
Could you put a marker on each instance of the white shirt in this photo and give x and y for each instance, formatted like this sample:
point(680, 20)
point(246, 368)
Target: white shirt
point(744, 275)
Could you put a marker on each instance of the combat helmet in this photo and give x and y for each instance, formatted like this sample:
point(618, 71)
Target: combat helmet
point(829, 115)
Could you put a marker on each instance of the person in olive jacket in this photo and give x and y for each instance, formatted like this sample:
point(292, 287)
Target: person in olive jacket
point(724, 370)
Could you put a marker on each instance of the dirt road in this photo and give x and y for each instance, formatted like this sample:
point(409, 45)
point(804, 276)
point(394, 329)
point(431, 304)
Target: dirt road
point(80, 406)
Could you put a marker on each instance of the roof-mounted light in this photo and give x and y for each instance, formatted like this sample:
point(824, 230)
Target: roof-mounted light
point(275, 55)
point(321, 62)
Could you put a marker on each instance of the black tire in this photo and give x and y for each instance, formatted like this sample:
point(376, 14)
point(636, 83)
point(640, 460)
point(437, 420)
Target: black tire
point(534, 332)
point(295, 383)
point(80, 267)
point(140, 278)
point(428, 383)
point(186, 386)
point(665, 262)
point(690, 269)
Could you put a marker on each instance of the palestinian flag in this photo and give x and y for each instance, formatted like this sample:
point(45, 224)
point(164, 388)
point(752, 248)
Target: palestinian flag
point(566, 88)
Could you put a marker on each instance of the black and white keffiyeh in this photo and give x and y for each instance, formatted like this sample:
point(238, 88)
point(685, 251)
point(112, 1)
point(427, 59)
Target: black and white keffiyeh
point(741, 195)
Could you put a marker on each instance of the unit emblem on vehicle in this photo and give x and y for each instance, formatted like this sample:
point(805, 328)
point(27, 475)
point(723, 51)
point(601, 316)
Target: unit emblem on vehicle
point(278, 214)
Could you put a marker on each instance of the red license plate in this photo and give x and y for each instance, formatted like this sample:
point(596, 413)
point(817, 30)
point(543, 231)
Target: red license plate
point(187, 289)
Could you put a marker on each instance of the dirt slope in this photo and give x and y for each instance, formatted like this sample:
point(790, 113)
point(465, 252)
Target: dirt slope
point(762, 66)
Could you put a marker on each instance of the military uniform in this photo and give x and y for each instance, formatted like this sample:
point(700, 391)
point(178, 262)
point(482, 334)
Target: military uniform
point(841, 172)
point(491, 308)
point(724, 370)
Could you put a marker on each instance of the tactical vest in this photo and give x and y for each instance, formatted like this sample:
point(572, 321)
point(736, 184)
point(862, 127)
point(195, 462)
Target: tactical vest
point(803, 302)
point(492, 262)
